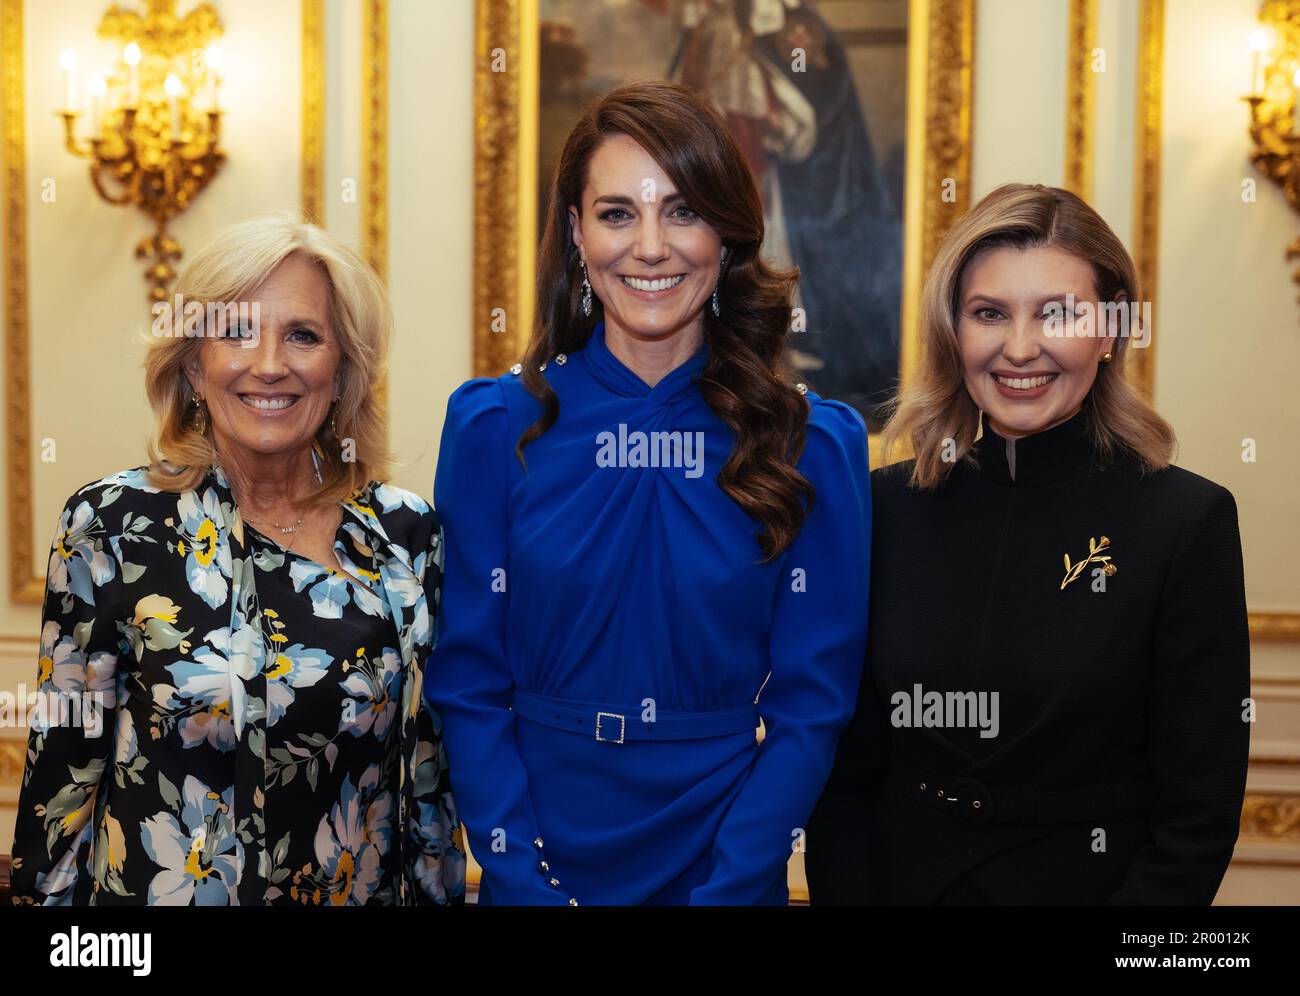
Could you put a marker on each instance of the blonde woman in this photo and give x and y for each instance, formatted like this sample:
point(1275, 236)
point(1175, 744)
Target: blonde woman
point(248, 618)
point(1058, 663)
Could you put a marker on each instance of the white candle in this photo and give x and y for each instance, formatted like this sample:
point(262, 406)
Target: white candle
point(1259, 44)
point(173, 88)
point(131, 54)
point(212, 62)
point(98, 88)
point(68, 60)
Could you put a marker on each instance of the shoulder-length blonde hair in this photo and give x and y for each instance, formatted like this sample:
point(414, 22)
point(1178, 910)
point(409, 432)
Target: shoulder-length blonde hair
point(230, 268)
point(937, 407)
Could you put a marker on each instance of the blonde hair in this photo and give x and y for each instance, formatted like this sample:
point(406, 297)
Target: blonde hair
point(230, 268)
point(937, 407)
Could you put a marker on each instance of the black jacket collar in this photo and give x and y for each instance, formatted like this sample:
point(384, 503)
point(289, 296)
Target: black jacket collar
point(1043, 458)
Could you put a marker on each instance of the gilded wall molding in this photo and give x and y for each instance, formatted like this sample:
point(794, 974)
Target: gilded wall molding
point(946, 153)
point(1275, 626)
point(1273, 815)
point(1080, 98)
point(313, 110)
point(374, 136)
point(24, 586)
point(13, 756)
point(941, 39)
point(497, 111)
point(1146, 178)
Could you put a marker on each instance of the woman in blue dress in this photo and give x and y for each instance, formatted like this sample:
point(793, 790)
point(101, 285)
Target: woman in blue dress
point(654, 539)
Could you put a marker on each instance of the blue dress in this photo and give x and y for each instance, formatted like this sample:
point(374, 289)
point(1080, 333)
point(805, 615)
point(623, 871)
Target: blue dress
point(605, 632)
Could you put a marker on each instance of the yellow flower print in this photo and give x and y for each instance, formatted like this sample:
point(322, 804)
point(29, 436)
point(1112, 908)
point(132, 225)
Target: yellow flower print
point(363, 509)
point(205, 543)
point(155, 607)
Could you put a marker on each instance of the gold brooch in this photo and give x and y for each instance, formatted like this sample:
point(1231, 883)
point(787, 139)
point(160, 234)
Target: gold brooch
point(1095, 556)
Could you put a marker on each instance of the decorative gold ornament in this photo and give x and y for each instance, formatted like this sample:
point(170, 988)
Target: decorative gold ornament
point(1274, 102)
point(155, 125)
point(1095, 547)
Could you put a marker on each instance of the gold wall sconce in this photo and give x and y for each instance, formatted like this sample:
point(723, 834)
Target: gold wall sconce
point(155, 122)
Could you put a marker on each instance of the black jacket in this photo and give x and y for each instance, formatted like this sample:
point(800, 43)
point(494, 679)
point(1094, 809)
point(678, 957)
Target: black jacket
point(1119, 762)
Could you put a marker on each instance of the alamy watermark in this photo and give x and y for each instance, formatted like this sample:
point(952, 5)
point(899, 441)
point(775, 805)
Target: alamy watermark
point(682, 450)
point(182, 319)
point(133, 950)
point(44, 710)
point(919, 709)
point(1111, 319)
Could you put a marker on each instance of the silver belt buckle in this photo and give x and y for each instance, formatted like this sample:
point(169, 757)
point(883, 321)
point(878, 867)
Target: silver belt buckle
point(622, 727)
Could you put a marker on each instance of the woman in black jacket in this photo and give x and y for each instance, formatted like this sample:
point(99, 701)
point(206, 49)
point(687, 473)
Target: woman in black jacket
point(1055, 703)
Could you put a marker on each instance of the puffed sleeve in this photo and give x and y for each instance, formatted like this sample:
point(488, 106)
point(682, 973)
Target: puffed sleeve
point(469, 680)
point(72, 724)
point(818, 638)
point(1198, 735)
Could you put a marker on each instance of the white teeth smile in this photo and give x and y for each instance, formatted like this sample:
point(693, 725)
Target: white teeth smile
point(636, 283)
point(1025, 383)
point(267, 404)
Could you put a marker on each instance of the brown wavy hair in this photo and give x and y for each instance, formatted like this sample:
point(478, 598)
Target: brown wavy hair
point(937, 407)
point(746, 379)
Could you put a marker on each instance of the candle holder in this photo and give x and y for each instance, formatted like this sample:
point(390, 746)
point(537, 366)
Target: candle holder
point(154, 148)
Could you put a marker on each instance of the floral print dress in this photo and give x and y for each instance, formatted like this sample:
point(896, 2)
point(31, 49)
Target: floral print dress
point(222, 721)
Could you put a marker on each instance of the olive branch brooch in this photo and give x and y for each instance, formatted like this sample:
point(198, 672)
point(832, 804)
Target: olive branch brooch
point(1095, 556)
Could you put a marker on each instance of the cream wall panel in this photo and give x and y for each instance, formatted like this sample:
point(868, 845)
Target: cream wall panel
point(343, 58)
point(1019, 108)
point(1227, 341)
point(431, 175)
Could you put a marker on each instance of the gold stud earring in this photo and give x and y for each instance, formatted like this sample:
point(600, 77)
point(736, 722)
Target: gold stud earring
point(1106, 357)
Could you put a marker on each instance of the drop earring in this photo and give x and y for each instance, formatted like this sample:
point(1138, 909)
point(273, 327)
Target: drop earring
point(586, 289)
point(714, 305)
point(200, 415)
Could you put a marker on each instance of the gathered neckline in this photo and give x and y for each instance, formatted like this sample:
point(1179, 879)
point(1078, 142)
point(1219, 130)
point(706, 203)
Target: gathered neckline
point(619, 378)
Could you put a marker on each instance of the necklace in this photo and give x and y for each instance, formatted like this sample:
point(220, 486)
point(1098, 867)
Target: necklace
point(282, 530)
point(285, 531)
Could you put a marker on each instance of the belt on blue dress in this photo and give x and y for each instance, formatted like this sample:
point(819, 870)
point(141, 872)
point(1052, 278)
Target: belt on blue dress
point(610, 725)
